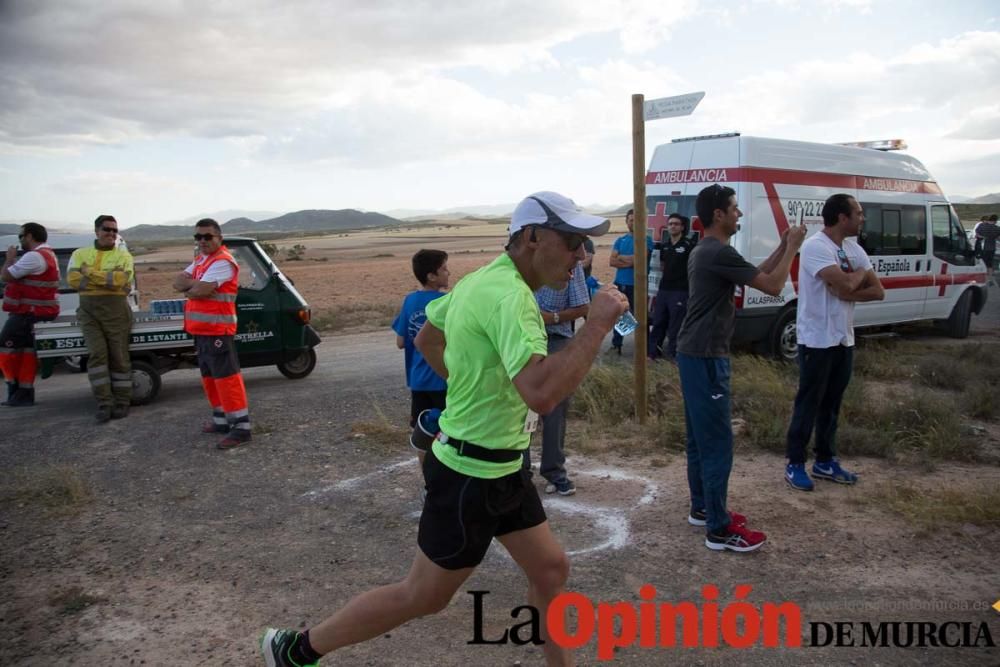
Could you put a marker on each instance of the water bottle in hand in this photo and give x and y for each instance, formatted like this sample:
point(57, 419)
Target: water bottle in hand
point(626, 324)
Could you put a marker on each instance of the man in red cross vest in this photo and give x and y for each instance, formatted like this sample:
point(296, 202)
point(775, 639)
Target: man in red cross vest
point(31, 295)
point(210, 284)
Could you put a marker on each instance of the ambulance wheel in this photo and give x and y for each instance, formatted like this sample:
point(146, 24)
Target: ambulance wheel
point(957, 325)
point(145, 382)
point(784, 344)
point(299, 366)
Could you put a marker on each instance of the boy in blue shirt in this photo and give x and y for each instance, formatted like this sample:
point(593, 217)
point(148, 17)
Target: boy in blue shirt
point(427, 388)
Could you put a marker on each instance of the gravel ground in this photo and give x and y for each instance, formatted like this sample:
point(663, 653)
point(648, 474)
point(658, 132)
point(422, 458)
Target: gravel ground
point(185, 552)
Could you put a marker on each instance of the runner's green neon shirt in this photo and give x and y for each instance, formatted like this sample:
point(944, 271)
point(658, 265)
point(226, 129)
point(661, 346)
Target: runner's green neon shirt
point(492, 326)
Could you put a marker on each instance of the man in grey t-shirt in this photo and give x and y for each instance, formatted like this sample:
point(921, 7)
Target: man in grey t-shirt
point(714, 271)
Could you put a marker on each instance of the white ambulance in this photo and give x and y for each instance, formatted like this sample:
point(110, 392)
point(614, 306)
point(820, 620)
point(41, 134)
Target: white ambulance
point(917, 245)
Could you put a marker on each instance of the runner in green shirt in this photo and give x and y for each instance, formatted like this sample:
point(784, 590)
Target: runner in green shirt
point(487, 338)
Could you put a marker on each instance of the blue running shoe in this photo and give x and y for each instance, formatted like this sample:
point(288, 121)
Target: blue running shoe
point(832, 471)
point(795, 475)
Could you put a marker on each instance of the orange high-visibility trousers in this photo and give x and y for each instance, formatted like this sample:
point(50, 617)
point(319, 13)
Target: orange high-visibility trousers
point(222, 381)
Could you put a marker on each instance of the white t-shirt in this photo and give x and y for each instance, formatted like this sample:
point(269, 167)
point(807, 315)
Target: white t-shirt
point(822, 319)
point(30, 263)
point(219, 272)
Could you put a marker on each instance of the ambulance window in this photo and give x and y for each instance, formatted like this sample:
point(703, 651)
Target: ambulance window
point(871, 233)
point(950, 242)
point(913, 231)
point(890, 232)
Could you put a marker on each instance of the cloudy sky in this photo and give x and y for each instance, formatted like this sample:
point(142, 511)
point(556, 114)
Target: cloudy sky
point(159, 111)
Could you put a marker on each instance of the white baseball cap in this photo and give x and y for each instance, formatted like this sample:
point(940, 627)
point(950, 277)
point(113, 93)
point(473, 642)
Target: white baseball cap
point(553, 210)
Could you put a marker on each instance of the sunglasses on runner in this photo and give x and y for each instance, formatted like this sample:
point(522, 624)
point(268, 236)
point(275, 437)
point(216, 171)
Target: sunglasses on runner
point(110, 230)
point(204, 237)
point(572, 241)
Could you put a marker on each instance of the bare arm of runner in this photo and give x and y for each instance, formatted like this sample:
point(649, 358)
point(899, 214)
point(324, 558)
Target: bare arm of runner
point(430, 341)
point(544, 382)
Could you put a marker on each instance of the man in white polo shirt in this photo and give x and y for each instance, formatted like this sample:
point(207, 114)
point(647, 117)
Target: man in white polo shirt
point(834, 274)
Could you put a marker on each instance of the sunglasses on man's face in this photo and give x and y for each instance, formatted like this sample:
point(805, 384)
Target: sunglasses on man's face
point(110, 230)
point(204, 237)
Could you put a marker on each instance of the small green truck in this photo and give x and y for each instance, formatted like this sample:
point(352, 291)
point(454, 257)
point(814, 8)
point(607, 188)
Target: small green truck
point(273, 329)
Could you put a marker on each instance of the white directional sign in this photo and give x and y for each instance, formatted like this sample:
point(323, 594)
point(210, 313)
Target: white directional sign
point(668, 107)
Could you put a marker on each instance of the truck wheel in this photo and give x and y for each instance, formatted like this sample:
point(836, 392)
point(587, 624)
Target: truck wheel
point(784, 345)
point(957, 325)
point(145, 382)
point(300, 366)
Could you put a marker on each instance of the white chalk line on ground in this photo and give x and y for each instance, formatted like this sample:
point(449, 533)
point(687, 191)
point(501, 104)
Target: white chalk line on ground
point(348, 484)
point(614, 522)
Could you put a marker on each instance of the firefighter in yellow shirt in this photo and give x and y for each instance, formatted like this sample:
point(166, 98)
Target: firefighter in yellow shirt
point(102, 274)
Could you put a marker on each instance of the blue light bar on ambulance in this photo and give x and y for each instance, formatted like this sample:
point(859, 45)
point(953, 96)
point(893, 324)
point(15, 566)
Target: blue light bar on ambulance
point(880, 145)
point(705, 136)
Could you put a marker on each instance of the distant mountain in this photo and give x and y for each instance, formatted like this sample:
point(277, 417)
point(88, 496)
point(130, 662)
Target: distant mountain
point(454, 212)
point(481, 210)
point(992, 198)
point(959, 199)
point(312, 221)
point(61, 227)
point(157, 232)
point(221, 216)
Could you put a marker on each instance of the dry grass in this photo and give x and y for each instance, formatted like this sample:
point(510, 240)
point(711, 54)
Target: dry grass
point(978, 505)
point(979, 401)
point(763, 393)
point(57, 488)
point(74, 600)
point(606, 401)
point(380, 432)
point(369, 316)
point(884, 413)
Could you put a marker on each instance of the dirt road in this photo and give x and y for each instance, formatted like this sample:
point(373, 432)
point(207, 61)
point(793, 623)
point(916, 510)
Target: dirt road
point(185, 553)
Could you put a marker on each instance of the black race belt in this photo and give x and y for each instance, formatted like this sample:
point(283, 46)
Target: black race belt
point(479, 453)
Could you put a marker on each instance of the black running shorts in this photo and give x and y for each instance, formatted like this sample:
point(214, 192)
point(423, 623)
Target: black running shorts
point(425, 400)
point(463, 514)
